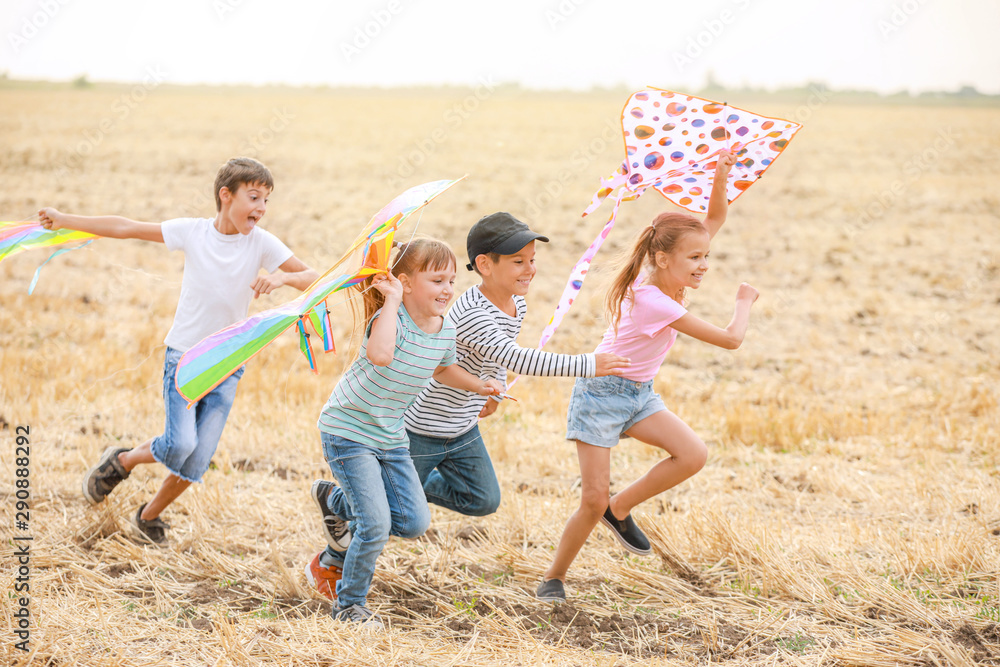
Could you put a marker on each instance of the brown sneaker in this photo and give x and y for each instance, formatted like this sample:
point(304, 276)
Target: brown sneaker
point(323, 579)
point(105, 475)
point(153, 531)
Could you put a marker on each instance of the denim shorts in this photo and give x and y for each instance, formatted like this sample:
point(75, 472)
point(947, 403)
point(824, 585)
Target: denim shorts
point(190, 437)
point(602, 409)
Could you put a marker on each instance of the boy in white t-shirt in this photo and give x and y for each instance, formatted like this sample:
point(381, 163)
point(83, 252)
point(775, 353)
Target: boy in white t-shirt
point(222, 262)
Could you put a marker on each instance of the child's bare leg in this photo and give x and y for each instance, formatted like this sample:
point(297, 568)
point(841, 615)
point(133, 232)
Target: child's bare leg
point(172, 487)
point(141, 454)
point(595, 473)
point(687, 456)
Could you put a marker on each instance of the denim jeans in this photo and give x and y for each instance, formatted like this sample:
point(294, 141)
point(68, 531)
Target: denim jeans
point(379, 495)
point(190, 437)
point(457, 473)
point(602, 409)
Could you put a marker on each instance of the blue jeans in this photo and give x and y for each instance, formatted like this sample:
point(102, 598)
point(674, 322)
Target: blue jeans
point(379, 495)
point(457, 473)
point(190, 437)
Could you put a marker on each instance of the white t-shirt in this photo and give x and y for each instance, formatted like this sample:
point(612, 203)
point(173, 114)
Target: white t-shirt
point(218, 271)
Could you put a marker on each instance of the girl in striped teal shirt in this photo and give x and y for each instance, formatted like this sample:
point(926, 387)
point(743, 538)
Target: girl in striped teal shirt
point(407, 342)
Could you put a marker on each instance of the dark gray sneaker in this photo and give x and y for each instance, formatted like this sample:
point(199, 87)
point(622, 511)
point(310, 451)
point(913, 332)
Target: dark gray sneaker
point(627, 533)
point(551, 591)
point(153, 531)
point(359, 615)
point(338, 535)
point(105, 475)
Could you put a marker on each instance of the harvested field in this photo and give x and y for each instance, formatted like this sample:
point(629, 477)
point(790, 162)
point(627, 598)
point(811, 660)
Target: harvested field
point(849, 513)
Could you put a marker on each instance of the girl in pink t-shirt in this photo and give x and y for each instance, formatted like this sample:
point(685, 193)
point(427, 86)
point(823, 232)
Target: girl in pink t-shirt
point(645, 305)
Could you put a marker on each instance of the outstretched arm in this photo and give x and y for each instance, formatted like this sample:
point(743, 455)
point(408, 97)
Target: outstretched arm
point(732, 336)
point(718, 201)
point(476, 328)
point(459, 378)
point(293, 272)
point(110, 226)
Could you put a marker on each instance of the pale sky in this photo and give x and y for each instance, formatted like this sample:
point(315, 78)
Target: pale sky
point(882, 45)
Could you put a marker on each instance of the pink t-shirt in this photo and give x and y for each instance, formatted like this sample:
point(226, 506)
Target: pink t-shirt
point(644, 333)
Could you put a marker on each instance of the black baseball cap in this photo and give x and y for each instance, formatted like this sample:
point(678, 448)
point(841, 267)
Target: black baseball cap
point(501, 233)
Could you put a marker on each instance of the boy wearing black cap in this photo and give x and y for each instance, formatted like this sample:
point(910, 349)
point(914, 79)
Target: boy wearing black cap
point(445, 443)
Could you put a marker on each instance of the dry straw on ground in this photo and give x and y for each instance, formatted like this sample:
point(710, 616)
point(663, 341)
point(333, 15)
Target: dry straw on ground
point(849, 512)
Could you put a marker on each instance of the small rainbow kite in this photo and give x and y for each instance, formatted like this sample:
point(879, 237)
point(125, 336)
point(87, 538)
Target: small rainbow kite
point(24, 235)
point(215, 358)
point(672, 141)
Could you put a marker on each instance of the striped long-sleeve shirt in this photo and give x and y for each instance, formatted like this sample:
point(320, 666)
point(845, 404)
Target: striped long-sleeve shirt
point(368, 403)
point(487, 347)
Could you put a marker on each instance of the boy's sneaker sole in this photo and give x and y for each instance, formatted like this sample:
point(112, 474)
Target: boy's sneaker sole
point(334, 528)
point(107, 469)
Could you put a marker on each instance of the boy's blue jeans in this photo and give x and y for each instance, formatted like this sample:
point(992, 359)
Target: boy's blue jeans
point(379, 495)
point(190, 437)
point(457, 473)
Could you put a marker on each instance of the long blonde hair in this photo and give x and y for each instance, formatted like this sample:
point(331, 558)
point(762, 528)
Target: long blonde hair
point(661, 236)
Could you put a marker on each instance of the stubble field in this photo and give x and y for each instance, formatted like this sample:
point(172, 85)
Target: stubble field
point(848, 514)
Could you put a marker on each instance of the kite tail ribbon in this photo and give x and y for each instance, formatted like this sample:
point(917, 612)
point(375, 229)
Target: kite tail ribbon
point(608, 185)
point(304, 345)
point(579, 273)
point(38, 271)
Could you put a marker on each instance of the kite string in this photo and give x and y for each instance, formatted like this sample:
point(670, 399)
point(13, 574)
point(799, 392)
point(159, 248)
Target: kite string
point(725, 121)
point(579, 273)
point(350, 297)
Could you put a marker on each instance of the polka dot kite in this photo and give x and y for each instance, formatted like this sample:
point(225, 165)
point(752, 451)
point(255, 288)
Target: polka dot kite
point(695, 130)
point(671, 144)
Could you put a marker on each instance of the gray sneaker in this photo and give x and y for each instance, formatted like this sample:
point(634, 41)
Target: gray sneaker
point(627, 533)
point(153, 531)
point(338, 535)
point(105, 475)
point(359, 615)
point(551, 591)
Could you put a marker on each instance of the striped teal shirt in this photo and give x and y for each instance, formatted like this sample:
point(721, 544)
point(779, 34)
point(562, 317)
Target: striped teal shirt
point(368, 403)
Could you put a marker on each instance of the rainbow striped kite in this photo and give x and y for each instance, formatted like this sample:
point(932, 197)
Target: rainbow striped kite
point(215, 358)
point(17, 237)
